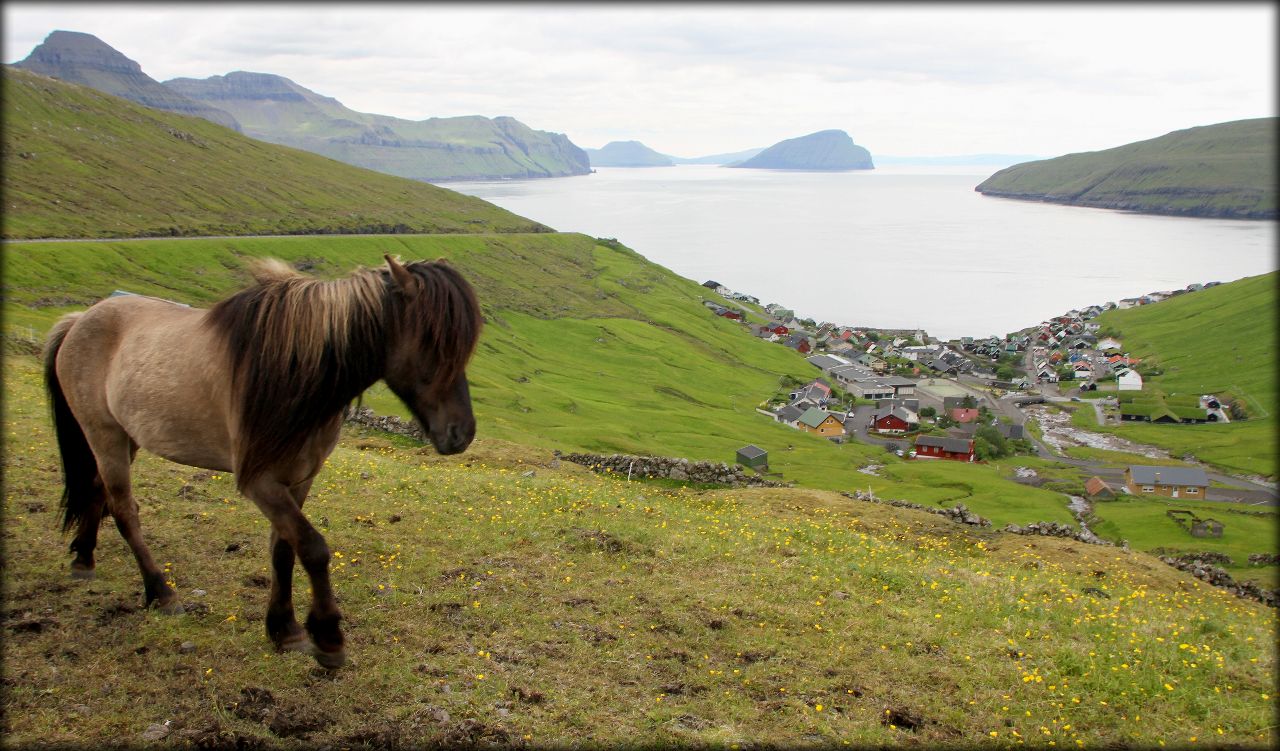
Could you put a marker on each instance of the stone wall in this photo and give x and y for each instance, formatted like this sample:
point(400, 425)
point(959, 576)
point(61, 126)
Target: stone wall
point(957, 513)
point(1220, 578)
point(389, 423)
point(665, 467)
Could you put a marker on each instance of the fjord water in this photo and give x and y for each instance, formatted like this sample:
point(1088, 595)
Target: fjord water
point(896, 247)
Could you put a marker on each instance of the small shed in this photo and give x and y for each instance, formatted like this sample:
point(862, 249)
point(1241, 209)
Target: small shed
point(753, 457)
point(1098, 489)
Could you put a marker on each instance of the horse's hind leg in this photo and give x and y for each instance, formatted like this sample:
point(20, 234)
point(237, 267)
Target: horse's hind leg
point(115, 452)
point(86, 539)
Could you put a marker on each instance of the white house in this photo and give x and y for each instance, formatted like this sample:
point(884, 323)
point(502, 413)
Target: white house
point(1128, 380)
point(1107, 343)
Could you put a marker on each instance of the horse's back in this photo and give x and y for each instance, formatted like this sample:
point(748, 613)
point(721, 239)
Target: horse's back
point(152, 368)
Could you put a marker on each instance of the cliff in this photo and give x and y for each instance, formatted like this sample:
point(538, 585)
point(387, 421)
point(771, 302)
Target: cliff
point(84, 59)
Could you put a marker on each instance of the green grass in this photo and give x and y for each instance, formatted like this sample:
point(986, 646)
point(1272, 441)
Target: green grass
point(78, 163)
point(589, 347)
point(494, 598)
point(1144, 523)
point(1229, 351)
point(1226, 169)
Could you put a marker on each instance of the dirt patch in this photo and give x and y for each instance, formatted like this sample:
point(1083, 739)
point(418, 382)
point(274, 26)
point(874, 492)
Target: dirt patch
point(282, 719)
point(901, 718)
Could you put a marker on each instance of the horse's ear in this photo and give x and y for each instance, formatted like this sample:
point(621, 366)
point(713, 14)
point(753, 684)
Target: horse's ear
point(401, 276)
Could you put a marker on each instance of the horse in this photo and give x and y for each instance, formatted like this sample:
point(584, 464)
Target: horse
point(257, 385)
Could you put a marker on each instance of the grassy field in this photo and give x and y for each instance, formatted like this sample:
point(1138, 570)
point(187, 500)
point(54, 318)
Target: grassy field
point(590, 347)
point(497, 598)
point(1231, 352)
point(78, 163)
point(1227, 169)
point(1144, 523)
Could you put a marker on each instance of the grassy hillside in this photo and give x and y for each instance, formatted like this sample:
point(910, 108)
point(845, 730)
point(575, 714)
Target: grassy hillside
point(494, 598)
point(78, 163)
point(587, 347)
point(1225, 170)
point(1216, 341)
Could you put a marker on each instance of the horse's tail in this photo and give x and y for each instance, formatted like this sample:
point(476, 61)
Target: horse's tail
point(79, 467)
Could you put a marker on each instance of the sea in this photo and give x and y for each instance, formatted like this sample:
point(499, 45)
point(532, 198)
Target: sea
point(898, 247)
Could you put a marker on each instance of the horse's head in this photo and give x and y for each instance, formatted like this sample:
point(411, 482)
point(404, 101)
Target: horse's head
point(433, 327)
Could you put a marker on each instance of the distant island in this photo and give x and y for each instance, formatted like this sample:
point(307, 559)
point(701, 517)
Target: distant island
point(274, 109)
point(824, 150)
point(1225, 171)
point(627, 154)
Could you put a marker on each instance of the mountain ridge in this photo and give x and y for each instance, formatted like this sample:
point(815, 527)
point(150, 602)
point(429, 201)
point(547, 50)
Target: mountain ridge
point(1224, 170)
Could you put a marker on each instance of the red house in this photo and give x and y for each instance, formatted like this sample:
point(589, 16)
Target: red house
point(732, 315)
point(890, 419)
point(939, 447)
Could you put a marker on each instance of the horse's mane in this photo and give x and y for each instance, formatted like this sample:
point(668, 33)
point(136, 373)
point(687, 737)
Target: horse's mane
point(301, 349)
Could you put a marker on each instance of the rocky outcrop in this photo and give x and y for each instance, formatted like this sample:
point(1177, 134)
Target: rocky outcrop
point(86, 60)
point(825, 150)
point(670, 468)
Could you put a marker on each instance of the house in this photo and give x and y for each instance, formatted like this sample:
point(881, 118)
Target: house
point(1129, 380)
point(799, 343)
point(1108, 343)
point(936, 447)
point(827, 363)
point(1098, 490)
point(963, 415)
point(790, 414)
point(894, 419)
point(821, 422)
point(753, 456)
point(1010, 431)
point(1170, 482)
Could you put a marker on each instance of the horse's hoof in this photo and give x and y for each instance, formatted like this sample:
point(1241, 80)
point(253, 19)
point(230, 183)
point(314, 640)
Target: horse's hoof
point(173, 607)
point(81, 573)
point(297, 644)
point(331, 660)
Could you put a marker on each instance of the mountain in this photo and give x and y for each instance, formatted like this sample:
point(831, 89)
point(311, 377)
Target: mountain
point(277, 110)
point(736, 156)
point(80, 163)
point(627, 154)
point(1224, 170)
point(824, 150)
point(86, 60)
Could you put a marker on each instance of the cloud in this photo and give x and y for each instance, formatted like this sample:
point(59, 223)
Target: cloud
point(698, 79)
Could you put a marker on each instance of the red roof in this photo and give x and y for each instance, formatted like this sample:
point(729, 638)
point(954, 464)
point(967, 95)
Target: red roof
point(964, 414)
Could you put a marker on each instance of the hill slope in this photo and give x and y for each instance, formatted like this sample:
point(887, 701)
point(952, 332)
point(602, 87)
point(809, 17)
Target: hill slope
point(504, 598)
point(84, 59)
point(1224, 170)
point(278, 110)
point(1216, 341)
point(824, 150)
point(79, 163)
point(627, 154)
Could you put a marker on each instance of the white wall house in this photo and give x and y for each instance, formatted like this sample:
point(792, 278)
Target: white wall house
point(1128, 380)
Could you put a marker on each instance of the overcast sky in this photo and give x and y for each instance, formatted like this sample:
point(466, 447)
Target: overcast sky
point(902, 79)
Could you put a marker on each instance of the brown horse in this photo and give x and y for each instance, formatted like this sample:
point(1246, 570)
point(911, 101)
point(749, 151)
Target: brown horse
point(256, 385)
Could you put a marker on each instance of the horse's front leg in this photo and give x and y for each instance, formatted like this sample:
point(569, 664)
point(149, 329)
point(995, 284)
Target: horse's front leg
point(292, 534)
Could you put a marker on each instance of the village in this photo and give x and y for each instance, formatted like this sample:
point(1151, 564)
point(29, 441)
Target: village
point(965, 399)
